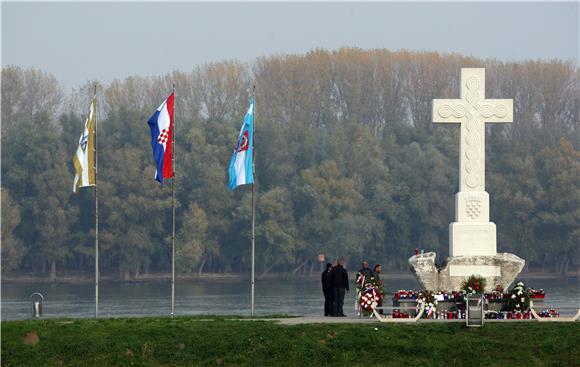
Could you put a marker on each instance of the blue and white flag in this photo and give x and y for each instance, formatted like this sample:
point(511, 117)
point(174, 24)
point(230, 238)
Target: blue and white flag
point(241, 170)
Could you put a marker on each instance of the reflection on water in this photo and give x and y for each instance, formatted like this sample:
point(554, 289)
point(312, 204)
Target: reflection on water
point(292, 297)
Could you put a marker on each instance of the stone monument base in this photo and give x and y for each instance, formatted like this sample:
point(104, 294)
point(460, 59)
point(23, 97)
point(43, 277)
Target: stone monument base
point(500, 269)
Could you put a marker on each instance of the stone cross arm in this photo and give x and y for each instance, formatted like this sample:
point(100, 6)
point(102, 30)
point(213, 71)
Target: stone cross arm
point(472, 105)
point(457, 110)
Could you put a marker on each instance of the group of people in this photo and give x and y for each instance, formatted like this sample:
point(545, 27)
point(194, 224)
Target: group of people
point(335, 285)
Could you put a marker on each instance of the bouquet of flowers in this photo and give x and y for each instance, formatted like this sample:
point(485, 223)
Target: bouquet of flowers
point(426, 297)
point(475, 284)
point(519, 300)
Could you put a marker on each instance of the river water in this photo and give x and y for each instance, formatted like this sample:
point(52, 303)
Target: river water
point(292, 297)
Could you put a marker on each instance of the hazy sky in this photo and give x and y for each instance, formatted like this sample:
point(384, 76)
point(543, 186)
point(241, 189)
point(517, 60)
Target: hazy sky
point(105, 40)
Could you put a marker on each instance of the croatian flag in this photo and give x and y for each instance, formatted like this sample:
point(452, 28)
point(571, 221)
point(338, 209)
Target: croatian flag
point(241, 170)
point(161, 125)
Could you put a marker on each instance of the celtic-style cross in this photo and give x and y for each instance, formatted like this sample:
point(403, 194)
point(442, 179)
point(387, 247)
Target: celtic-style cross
point(472, 111)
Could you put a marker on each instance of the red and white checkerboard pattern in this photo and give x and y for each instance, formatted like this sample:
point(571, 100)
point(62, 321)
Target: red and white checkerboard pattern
point(163, 136)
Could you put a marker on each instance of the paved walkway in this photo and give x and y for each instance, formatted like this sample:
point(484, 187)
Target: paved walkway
point(325, 320)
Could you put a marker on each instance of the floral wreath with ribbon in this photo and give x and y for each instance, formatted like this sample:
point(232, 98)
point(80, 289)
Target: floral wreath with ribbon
point(370, 294)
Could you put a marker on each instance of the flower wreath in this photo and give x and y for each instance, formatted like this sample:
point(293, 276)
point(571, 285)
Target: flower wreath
point(370, 294)
point(519, 300)
point(428, 298)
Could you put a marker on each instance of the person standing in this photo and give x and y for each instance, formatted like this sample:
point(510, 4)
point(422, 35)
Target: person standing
point(365, 270)
point(340, 286)
point(328, 290)
point(377, 274)
point(377, 277)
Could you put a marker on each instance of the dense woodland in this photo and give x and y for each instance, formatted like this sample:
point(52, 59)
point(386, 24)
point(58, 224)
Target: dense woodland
point(348, 163)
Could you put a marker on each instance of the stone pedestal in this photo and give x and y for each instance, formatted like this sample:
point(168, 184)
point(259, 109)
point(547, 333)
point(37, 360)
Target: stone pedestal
point(472, 239)
point(500, 269)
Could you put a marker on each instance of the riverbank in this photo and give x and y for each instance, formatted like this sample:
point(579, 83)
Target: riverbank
point(211, 340)
point(88, 278)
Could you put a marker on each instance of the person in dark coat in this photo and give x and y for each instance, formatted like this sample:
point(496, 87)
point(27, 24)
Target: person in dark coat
point(327, 290)
point(340, 285)
point(365, 270)
point(377, 274)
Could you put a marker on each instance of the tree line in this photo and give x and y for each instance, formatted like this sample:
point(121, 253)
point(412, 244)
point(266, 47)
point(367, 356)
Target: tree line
point(348, 163)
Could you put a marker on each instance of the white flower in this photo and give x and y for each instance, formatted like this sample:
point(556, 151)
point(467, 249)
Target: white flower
point(519, 293)
point(513, 296)
point(523, 299)
point(518, 306)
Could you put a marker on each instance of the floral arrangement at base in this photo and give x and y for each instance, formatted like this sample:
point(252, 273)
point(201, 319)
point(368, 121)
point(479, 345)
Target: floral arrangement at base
point(519, 300)
point(370, 294)
point(536, 294)
point(549, 313)
point(403, 294)
point(428, 298)
point(475, 284)
point(369, 298)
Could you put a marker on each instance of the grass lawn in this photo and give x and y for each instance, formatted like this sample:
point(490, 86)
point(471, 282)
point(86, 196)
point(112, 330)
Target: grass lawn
point(209, 341)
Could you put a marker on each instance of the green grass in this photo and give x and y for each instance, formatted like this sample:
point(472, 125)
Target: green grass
point(208, 341)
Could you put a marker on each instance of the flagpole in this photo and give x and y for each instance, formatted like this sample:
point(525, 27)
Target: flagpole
point(96, 213)
point(253, 203)
point(173, 210)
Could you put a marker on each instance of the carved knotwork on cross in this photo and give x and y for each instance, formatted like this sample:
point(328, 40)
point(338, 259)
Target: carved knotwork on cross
point(472, 111)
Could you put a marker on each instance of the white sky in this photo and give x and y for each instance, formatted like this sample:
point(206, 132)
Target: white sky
point(105, 40)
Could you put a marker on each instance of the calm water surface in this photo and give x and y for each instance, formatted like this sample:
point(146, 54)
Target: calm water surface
point(292, 297)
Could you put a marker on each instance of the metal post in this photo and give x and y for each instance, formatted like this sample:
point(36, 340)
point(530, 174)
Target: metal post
point(173, 210)
point(96, 213)
point(253, 245)
point(253, 203)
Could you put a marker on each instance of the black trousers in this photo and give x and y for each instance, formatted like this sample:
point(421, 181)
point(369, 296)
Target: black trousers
point(328, 302)
point(338, 301)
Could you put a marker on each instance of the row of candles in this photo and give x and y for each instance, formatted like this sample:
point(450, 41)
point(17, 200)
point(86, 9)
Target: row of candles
point(459, 314)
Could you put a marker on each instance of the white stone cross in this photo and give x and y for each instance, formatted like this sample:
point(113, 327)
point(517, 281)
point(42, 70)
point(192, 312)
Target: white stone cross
point(472, 233)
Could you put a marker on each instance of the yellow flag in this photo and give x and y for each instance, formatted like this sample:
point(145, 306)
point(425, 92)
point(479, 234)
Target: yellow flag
point(84, 159)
